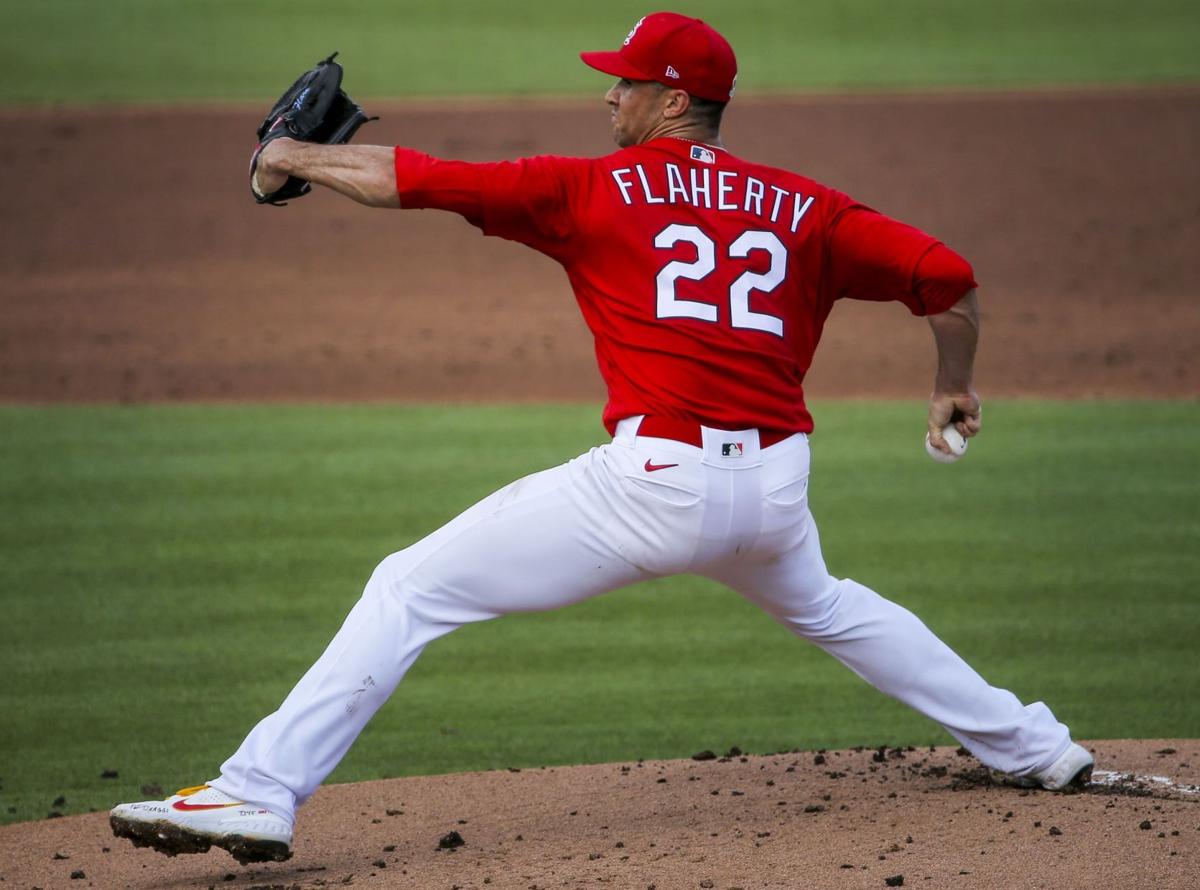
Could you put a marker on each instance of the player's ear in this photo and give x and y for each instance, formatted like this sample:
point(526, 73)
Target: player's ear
point(676, 104)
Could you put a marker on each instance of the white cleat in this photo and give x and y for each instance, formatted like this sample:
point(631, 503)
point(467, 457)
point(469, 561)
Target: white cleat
point(193, 820)
point(1070, 773)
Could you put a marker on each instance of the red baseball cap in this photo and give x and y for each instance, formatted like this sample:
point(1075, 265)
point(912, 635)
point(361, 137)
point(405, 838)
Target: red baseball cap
point(675, 50)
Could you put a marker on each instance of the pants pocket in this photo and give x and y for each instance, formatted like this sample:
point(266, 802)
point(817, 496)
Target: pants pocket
point(789, 494)
point(664, 492)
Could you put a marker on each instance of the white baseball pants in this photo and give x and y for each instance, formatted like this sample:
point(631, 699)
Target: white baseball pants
point(613, 516)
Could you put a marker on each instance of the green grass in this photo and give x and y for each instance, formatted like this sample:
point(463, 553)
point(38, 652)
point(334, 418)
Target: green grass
point(138, 50)
point(167, 573)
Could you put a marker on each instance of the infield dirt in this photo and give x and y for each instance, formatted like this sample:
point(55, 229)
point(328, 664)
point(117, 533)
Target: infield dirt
point(134, 267)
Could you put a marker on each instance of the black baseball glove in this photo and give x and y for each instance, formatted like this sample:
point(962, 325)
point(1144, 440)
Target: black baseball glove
point(313, 109)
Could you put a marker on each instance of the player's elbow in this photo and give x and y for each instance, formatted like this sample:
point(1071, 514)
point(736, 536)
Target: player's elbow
point(943, 279)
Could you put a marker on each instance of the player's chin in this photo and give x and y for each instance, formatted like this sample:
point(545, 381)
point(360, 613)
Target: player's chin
point(618, 135)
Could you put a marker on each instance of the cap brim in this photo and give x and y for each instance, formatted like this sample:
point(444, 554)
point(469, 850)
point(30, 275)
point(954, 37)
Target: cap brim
point(613, 63)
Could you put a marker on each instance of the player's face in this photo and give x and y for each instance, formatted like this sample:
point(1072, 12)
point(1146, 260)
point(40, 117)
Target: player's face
point(637, 109)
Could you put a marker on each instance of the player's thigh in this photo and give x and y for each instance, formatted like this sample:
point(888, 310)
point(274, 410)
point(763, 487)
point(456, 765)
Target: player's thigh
point(544, 541)
point(790, 583)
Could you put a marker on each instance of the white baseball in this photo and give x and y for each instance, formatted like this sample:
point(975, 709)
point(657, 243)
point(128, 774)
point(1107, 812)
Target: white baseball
point(958, 446)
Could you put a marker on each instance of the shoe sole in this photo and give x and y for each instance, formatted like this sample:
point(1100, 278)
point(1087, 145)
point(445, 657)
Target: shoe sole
point(1077, 783)
point(172, 840)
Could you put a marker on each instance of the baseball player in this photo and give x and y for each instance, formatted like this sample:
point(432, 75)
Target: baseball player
point(705, 279)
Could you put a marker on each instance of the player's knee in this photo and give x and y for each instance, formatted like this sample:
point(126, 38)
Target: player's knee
point(837, 608)
point(390, 575)
point(808, 610)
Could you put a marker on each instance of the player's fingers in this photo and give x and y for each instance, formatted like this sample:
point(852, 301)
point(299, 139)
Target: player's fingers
point(968, 415)
point(935, 426)
point(972, 420)
point(936, 439)
point(941, 409)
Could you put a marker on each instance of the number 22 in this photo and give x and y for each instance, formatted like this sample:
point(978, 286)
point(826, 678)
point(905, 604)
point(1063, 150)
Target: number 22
point(740, 313)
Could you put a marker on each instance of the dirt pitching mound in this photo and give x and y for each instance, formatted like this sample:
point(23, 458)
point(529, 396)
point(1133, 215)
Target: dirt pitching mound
point(865, 818)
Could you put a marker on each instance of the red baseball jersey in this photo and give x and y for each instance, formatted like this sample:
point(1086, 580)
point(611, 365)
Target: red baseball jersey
point(705, 279)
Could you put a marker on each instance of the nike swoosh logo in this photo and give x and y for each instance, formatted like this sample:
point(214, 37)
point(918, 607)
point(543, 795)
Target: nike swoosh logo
point(185, 806)
point(650, 468)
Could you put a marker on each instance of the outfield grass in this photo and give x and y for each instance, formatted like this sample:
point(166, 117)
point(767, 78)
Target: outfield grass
point(169, 572)
point(137, 50)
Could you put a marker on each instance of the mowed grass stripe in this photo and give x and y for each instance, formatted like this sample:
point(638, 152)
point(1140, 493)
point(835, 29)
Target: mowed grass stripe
point(152, 50)
point(169, 572)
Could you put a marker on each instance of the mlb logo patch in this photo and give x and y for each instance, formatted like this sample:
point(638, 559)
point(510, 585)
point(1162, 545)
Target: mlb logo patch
point(731, 449)
point(700, 153)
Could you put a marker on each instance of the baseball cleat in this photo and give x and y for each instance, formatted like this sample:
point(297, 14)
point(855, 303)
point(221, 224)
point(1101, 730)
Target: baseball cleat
point(193, 820)
point(1070, 773)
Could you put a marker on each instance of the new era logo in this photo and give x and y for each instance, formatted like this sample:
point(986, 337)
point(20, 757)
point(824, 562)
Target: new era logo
point(700, 153)
point(671, 72)
point(731, 449)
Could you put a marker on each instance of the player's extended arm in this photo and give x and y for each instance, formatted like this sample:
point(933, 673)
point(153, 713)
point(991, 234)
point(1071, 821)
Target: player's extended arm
point(877, 258)
point(954, 400)
point(365, 173)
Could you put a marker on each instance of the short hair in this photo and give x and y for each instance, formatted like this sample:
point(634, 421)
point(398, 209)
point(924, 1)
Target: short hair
point(707, 112)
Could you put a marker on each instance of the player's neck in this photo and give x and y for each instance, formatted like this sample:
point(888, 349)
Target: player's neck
point(689, 130)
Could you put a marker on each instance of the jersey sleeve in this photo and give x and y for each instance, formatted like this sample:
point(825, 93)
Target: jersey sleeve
point(874, 257)
point(942, 279)
point(527, 200)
